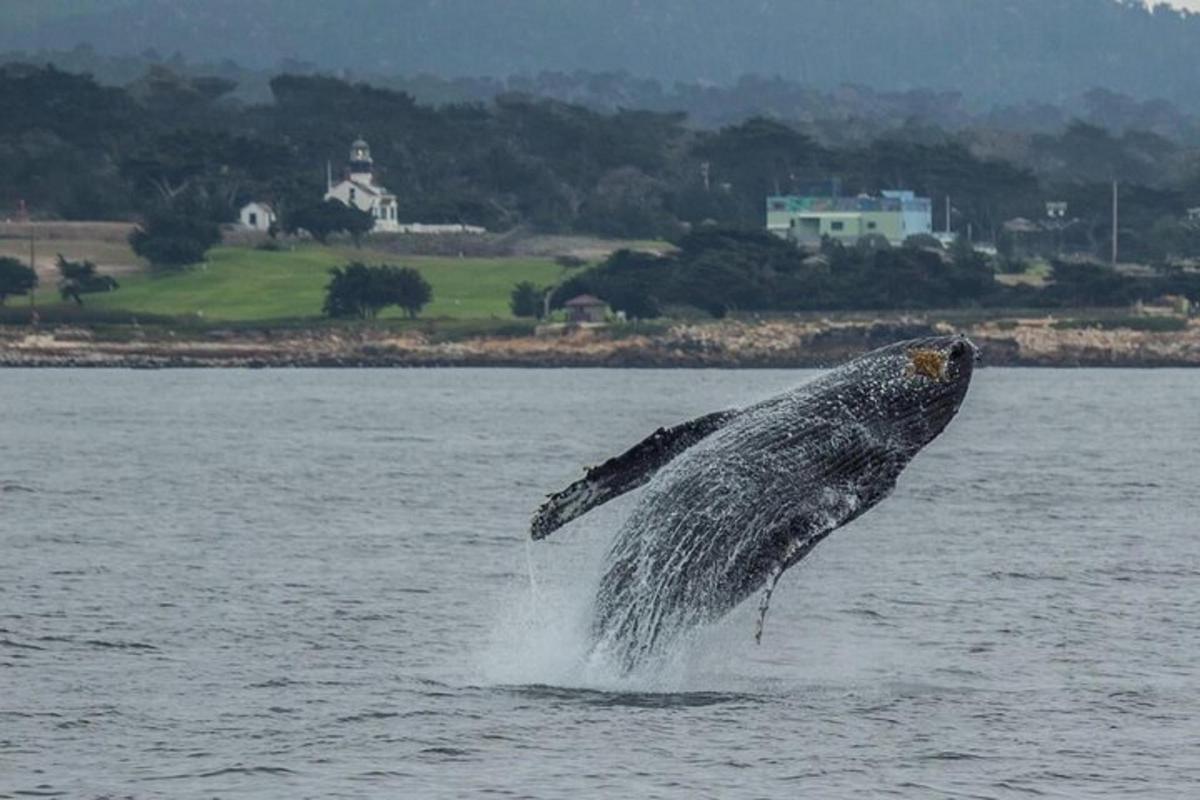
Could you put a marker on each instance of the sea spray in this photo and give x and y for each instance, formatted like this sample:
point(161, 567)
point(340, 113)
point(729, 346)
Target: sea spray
point(541, 634)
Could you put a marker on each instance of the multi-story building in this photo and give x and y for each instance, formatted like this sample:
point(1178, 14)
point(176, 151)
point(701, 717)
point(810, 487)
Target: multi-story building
point(895, 215)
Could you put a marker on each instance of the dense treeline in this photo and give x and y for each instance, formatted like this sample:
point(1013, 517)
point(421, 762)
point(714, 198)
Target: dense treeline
point(174, 145)
point(722, 271)
point(995, 52)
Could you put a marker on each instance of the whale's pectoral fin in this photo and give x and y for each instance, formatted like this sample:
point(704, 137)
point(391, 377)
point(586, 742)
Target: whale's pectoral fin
point(623, 473)
point(866, 477)
point(764, 605)
point(801, 544)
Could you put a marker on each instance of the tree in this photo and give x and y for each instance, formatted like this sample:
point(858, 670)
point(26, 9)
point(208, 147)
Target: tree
point(80, 278)
point(924, 240)
point(526, 300)
point(174, 240)
point(1174, 239)
point(629, 281)
point(405, 287)
point(328, 217)
point(15, 278)
point(362, 291)
point(349, 293)
point(872, 243)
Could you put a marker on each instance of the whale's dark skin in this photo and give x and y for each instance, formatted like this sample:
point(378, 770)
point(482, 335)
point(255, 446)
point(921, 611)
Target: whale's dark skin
point(737, 497)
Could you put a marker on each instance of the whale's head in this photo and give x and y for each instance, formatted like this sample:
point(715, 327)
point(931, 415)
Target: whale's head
point(909, 391)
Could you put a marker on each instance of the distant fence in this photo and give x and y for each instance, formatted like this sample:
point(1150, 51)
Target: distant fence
point(439, 230)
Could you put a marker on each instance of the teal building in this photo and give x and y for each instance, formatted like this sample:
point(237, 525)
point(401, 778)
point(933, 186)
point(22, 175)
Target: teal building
point(895, 215)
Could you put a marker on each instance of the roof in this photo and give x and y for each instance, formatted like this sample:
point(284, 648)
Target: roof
point(260, 204)
point(370, 188)
point(1021, 225)
point(584, 300)
point(901, 200)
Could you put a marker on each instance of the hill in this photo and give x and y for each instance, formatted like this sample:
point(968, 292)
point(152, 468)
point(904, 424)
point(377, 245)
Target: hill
point(995, 52)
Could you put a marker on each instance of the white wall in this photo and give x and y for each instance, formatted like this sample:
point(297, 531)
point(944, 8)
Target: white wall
point(257, 216)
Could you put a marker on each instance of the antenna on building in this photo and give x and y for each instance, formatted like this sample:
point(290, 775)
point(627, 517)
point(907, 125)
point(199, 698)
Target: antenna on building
point(947, 213)
point(329, 176)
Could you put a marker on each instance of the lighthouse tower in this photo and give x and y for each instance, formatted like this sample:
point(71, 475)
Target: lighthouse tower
point(361, 164)
point(359, 189)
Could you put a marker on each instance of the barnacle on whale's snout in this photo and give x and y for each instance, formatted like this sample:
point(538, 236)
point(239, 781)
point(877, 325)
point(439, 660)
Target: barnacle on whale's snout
point(929, 363)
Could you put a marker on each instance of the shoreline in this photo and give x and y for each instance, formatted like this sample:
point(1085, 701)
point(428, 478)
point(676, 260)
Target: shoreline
point(787, 344)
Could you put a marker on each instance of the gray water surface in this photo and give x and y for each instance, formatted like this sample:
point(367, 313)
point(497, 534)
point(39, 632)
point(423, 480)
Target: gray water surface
point(316, 584)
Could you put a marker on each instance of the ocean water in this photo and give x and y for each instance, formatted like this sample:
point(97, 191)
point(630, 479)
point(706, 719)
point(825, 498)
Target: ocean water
point(284, 584)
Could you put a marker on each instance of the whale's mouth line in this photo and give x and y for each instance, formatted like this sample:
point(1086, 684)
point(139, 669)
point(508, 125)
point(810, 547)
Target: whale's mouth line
point(927, 363)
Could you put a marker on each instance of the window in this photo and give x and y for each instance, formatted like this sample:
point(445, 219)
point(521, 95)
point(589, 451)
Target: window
point(352, 194)
point(837, 226)
point(870, 226)
point(253, 220)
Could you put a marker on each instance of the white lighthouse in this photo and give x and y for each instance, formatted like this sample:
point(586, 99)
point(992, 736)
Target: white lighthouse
point(359, 189)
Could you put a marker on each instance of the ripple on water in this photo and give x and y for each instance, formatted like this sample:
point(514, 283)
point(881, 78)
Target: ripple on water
point(608, 699)
point(290, 584)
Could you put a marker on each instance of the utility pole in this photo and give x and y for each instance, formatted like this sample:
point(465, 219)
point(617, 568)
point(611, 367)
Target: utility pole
point(1115, 218)
point(32, 265)
point(947, 214)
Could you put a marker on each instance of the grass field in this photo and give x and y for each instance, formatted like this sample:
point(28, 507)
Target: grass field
point(242, 284)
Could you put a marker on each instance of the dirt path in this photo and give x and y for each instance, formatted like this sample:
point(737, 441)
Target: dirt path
point(105, 243)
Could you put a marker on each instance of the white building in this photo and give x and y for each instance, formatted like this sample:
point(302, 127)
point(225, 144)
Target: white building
point(359, 189)
point(257, 216)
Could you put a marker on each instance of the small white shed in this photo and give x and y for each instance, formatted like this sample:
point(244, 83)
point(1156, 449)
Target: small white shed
point(257, 216)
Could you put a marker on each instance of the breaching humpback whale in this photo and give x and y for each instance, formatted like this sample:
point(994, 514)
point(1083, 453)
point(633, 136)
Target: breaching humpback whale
point(737, 497)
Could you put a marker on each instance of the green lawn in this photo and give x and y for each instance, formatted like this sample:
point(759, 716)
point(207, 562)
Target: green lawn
point(241, 284)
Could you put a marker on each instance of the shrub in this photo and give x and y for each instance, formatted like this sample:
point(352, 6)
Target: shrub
point(174, 240)
point(329, 217)
point(80, 278)
point(15, 278)
point(526, 300)
point(362, 291)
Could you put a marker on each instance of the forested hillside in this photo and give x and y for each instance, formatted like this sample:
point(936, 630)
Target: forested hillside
point(70, 148)
point(1001, 52)
point(840, 115)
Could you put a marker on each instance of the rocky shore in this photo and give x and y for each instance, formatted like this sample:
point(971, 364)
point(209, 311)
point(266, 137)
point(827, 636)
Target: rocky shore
point(782, 344)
